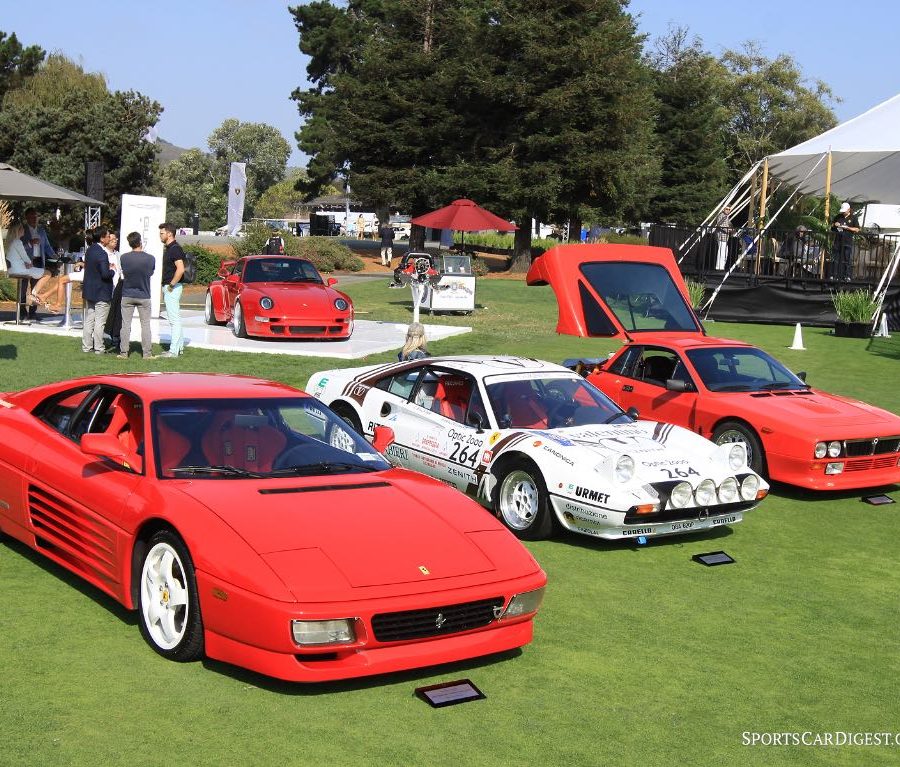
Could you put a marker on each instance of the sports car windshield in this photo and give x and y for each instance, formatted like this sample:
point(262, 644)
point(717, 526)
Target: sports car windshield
point(253, 438)
point(642, 296)
point(741, 368)
point(541, 403)
point(280, 270)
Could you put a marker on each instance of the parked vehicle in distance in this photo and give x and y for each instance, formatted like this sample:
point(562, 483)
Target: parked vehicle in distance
point(244, 521)
point(542, 448)
point(278, 297)
point(728, 391)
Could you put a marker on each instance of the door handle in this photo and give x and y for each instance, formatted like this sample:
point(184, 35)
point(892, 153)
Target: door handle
point(627, 387)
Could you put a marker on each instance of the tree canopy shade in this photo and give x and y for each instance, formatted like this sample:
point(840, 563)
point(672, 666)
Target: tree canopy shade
point(62, 117)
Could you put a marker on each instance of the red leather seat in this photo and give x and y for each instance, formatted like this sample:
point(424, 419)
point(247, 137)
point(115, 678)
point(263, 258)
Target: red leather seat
point(451, 397)
point(251, 447)
point(172, 446)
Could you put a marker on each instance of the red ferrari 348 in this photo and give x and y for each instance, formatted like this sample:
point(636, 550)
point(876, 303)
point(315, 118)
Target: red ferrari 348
point(728, 391)
point(278, 297)
point(244, 521)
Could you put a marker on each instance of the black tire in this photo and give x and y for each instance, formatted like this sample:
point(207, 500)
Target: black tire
point(349, 415)
point(522, 503)
point(735, 431)
point(168, 605)
point(238, 326)
point(209, 313)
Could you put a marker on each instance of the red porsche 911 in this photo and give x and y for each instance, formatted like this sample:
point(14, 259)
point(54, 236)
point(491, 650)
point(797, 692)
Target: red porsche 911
point(727, 391)
point(278, 297)
point(244, 521)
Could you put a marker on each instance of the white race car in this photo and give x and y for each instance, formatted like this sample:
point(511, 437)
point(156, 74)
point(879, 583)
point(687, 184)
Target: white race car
point(543, 448)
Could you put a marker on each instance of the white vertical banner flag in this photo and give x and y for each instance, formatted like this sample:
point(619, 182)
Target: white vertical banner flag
point(237, 188)
point(143, 215)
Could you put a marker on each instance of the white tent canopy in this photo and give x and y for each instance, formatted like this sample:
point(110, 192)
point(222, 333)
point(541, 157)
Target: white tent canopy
point(865, 158)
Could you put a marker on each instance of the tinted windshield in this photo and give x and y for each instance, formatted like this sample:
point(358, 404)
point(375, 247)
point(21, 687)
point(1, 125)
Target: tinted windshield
point(235, 438)
point(541, 403)
point(280, 270)
point(642, 296)
point(739, 368)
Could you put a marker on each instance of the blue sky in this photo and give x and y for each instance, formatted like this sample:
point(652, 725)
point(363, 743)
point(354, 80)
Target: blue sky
point(207, 60)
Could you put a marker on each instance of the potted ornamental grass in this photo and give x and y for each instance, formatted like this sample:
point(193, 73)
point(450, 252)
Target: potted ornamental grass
point(855, 310)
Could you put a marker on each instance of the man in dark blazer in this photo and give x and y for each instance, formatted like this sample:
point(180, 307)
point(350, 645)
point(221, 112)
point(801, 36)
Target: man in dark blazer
point(96, 290)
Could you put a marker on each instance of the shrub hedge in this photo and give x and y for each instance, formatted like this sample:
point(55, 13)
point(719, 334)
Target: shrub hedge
point(327, 253)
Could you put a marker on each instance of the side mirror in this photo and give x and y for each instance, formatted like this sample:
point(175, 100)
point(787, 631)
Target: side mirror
point(108, 446)
point(384, 438)
point(802, 376)
point(632, 413)
point(676, 384)
point(477, 420)
point(331, 281)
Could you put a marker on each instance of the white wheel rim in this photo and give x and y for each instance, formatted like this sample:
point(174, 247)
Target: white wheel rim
point(164, 596)
point(519, 500)
point(732, 435)
point(209, 307)
point(238, 318)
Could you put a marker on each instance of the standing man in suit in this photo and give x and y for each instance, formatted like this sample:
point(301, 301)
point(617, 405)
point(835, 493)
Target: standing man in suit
point(172, 272)
point(96, 290)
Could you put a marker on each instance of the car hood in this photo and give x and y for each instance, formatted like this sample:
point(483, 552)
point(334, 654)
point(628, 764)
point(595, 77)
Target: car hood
point(817, 411)
point(298, 295)
point(657, 449)
point(369, 530)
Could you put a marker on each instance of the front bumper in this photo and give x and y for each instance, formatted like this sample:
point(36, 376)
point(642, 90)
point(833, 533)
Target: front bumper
point(271, 326)
point(858, 472)
point(254, 632)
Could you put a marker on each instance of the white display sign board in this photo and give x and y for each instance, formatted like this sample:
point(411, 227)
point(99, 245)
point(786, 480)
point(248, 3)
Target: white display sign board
point(143, 215)
point(454, 293)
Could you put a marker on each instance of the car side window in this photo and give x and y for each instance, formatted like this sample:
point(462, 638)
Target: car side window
point(400, 384)
point(58, 411)
point(624, 363)
point(656, 366)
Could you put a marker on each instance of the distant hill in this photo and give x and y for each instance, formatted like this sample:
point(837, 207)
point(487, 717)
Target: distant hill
point(168, 151)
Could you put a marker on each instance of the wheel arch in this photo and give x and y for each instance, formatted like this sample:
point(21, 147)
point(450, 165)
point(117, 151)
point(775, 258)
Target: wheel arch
point(342, 406)
point(142, 536)
point(219, 302)
point(750, 427)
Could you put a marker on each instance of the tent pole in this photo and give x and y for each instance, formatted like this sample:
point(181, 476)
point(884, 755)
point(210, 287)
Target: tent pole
point(827, 208)
point(762, 208)
point(708, 305)
point(726, 200)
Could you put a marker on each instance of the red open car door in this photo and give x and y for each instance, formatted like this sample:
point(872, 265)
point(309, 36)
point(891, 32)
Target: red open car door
point(616, 290)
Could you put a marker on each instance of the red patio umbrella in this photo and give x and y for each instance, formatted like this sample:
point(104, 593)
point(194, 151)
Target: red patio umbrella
point(464, 216)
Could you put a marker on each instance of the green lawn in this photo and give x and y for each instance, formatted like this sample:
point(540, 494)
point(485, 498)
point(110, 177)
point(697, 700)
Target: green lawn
point(641, 657)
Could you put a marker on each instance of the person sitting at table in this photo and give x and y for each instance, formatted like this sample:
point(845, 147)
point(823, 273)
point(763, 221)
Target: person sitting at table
point(20, 265)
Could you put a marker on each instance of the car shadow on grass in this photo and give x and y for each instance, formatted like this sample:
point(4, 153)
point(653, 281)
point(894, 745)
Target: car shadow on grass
point(568, 538)
point(105, 601)
point(802, 495)
point(424, 675)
